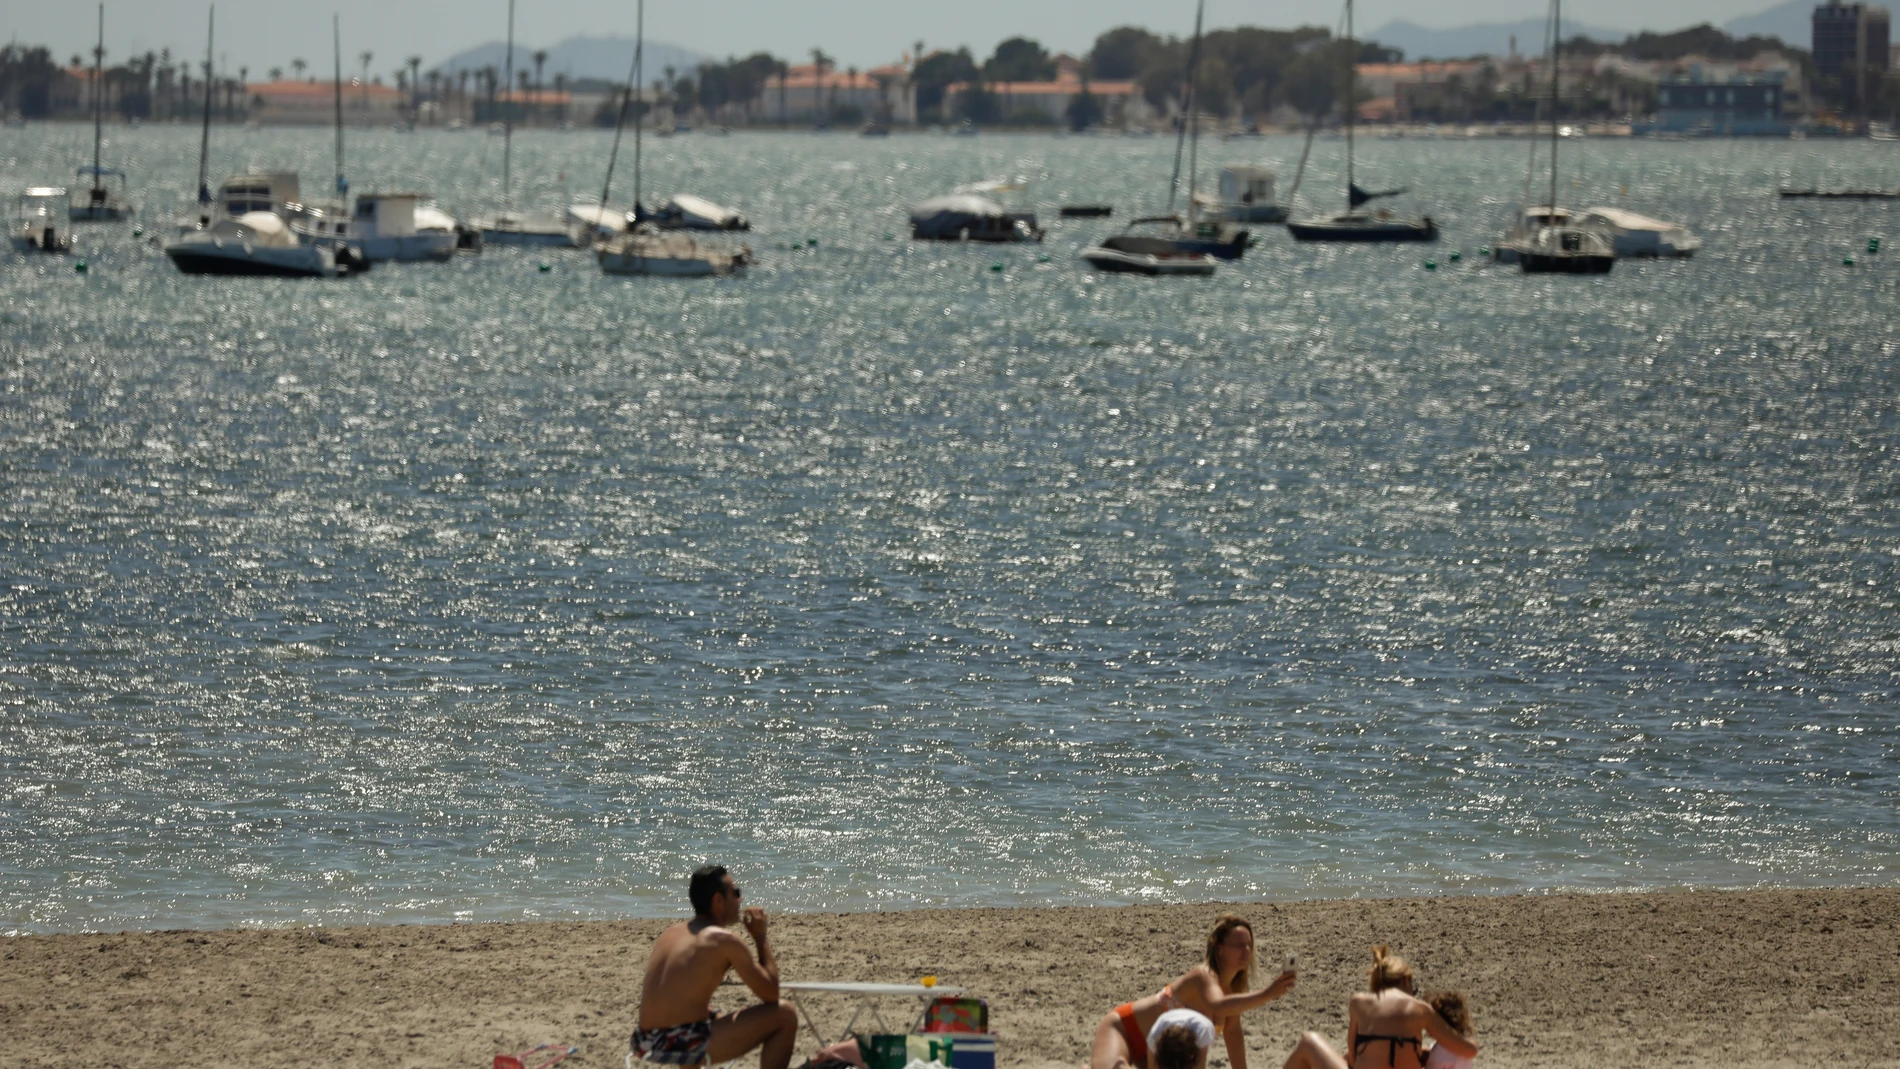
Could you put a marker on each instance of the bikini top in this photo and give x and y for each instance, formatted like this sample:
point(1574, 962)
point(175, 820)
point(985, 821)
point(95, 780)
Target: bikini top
point(1392, 1052)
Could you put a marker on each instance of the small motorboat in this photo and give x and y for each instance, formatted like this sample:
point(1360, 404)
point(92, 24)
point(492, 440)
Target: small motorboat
point(969, 217)
point(1086, 211)
point(385, 228)
point(687, 212)
point(1245, 196)
point(670, 254)
point(41, 223)
point(1566, 250)
point(1161, 259)
point(254, 243)
point(1206, 239)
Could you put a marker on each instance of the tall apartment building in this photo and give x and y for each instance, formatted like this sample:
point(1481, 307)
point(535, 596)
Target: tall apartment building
point(1851, 52)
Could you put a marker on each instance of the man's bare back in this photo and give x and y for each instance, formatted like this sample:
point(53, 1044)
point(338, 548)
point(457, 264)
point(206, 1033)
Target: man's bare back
point(689, 961)
point(676, 1022)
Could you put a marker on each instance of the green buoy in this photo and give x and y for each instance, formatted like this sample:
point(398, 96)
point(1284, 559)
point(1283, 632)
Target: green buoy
point(888, 236)
point(811, 243)
point(1873, 244)
point(80, 266)
point(138, 231)
point(1431, 265)
point(1043, 259)
point(1455, 256)
point(546, 267)
point(1484, 250)
point(997, 266)
point(1847, 261)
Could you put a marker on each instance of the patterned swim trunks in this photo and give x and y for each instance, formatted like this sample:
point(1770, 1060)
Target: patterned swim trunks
point(679, 1044)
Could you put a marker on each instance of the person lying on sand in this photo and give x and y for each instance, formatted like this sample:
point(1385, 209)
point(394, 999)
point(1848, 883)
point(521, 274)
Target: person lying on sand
point(677, 1025)
point(1451, 1006)
point(1216, 989)
point(1385, 1026)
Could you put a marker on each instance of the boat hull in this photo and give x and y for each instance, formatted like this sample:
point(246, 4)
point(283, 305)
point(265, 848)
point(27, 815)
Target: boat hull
point(1327, 230)
point(99, 213)
point(1536, 263)
point(205, 258)
point(1119, 261)
point(48, 240)
point(536, 238)
point(616, 263)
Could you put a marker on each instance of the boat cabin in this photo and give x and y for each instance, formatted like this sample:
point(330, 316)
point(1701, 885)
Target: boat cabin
point(387, 215)
point(269, 192)
point(41, 222)
point(1247, 184)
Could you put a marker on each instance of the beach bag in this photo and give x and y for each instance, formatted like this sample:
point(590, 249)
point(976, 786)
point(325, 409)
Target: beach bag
point(948, 1014)
point(927, 1048)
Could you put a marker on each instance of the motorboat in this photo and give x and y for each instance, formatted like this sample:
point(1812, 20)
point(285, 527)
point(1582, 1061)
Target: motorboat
point(1160, 258)
point(670, 253)
point(386, 227)
point(253, 243)
point(1569, 250)
point(1363, 226)
point(1245, 195)
point(40, 224)
point(971, 217)
point(687, 212)
point(1528, 223)
point(1639, 236)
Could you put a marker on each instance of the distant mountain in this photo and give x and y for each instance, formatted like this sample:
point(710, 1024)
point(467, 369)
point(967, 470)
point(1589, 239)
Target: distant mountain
point(1491, 38)
point(606, 58)
point(1792, 22)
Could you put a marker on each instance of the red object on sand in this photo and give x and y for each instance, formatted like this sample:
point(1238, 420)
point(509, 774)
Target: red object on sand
point(521, 1061)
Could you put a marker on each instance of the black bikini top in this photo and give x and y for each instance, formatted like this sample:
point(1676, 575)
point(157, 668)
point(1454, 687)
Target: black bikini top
point(1392, 1052)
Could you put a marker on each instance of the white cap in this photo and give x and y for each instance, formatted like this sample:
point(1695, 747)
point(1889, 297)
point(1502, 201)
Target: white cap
point(1195, 1022)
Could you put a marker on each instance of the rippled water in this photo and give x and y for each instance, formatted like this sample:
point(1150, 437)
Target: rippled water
point(478, 591)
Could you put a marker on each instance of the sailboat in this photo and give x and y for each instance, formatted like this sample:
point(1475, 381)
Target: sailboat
point(1353, 224)
point(639, 250)
point(99, 202)
point(1557, 243)
point(508, 226)
point(1163, 244)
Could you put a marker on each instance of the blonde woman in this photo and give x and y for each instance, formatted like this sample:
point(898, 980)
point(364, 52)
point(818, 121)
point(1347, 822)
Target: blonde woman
point(1217, 989)
point(1386, 1025)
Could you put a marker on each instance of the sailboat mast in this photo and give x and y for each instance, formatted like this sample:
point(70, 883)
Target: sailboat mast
point(1556, 39)
point(98, 101)
point(336, 30)
point(1181, 131)
point(508, 116)
point(639, 111)
point(1194, 115)
point(1352, 87)
point(204, 135)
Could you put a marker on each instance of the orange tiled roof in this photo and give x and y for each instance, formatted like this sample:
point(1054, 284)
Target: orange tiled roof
point(325, 88)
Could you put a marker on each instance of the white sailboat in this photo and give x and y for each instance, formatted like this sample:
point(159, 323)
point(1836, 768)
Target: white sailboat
point(39, 225)
point(99, 202)
point(1551, 240)
point(508, 226)
point(639, 250)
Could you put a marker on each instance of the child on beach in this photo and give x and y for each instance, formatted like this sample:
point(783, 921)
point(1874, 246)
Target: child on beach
point(1451, 1006)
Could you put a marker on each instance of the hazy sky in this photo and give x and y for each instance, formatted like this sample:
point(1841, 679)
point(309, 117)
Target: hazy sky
point(267, 33)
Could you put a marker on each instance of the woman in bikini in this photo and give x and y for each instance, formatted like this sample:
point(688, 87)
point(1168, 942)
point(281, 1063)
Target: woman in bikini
point(1217, 989)
point(1386, 1025)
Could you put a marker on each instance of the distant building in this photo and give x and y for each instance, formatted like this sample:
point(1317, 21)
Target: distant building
point(1120, 103)
point(1739, 105)
point(1851, 53)
point(808, 94)
point(315, 103)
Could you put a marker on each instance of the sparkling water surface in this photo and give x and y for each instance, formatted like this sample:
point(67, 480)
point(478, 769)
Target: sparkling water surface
point(478, 591)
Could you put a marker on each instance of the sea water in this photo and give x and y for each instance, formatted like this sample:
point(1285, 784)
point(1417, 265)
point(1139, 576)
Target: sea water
point(896, 574)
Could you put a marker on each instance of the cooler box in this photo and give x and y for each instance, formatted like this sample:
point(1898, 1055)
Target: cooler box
point(969, 1051)
point(929, 1048)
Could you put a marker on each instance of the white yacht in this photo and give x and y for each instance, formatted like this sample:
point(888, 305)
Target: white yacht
point(670, 253)
point(385, 227)
point(252, 243)
point(41, 223)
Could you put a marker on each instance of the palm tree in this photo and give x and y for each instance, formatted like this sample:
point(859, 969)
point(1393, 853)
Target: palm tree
point(850, 83)
point(364, 57)
point(299, 66)
point(277, 74)
point(540, 58)
point(820, 63)
point(435, 94)
point(415, 88)
point(461, 91)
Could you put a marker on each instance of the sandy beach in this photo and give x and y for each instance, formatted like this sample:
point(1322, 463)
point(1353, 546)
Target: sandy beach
point(1768, 978)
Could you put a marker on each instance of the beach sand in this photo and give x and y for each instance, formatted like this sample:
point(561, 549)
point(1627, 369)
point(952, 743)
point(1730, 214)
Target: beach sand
point(1768, 978)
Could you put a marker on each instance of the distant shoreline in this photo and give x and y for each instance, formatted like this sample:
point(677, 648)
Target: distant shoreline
point(1687, 978)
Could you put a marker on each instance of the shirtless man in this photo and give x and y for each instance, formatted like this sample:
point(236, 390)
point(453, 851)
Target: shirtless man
point(677, 1025)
